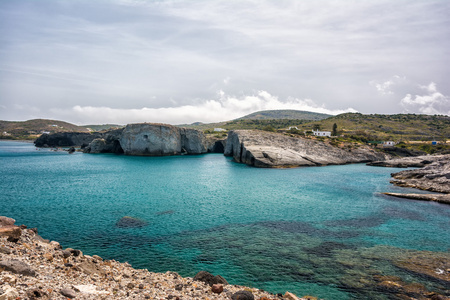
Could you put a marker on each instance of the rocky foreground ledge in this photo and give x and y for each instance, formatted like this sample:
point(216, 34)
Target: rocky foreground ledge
point(34, 268)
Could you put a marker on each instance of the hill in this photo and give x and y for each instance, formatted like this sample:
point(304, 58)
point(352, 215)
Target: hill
point(398, 127)
point(32, 128)
point(284, 114)
point(103, 127)
point(273, 119)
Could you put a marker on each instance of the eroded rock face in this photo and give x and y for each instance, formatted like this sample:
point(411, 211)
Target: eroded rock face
point(109, 143)
point(161, 139)
point(66, 139)
point(265, 149)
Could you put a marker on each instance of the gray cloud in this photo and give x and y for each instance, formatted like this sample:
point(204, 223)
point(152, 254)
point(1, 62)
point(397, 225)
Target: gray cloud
point(126, 55)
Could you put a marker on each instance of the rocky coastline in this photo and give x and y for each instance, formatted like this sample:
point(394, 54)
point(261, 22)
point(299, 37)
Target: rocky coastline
point(432, 174)
point(34, 268)
point(273, 150)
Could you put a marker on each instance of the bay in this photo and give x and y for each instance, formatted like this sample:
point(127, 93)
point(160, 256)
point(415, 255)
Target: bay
point(274, 229)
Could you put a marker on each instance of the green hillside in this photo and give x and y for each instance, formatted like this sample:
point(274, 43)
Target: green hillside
point(31, 128)
point(399, 127)
point(103, 127)
point(267, 119)
point(284, 114)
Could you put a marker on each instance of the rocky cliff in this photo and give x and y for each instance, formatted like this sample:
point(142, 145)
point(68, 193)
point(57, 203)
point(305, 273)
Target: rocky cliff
point(66, 139)
point(150, 140)
point(266, 149)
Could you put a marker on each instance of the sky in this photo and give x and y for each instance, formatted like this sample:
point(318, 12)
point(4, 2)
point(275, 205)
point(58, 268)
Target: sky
point(179, 62)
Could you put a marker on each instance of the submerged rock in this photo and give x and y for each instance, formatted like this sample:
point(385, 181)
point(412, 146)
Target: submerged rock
point(130, 222)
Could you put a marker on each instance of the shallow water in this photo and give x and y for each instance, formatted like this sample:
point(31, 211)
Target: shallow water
point(306, 230)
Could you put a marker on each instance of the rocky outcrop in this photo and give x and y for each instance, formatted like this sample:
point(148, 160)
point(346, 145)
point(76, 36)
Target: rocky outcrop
point(441, 198)
point(406, 162)
point(268, 150)
point(108, 143)
point(435, 177)
point(66, 139)
point(161, 139)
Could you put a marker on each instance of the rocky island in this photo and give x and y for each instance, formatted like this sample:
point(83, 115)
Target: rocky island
point(273, 150)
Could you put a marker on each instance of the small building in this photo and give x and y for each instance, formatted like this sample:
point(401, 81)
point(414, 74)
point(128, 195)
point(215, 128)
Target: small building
point(389, 144)
point(219, 129)
point(321, 133)
point(293, 127)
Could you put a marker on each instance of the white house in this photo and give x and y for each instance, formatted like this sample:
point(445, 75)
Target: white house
point(219, 129)
point(388, 144)
point(293, 127)
point(321, 133)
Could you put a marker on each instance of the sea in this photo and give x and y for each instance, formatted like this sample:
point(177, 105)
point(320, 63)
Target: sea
point(320, 231)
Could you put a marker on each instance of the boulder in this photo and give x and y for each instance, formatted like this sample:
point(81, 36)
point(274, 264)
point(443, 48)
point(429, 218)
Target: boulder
point(242, 295)
point(5, 221)
point(68, 292)
point(209, 278)
point(217, 288)
point(17, 267)
point(11, 231)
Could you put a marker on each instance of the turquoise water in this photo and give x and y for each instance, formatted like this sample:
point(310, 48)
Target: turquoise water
point(275, 229)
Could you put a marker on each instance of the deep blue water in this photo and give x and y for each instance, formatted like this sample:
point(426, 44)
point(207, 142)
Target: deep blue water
point(275, 229)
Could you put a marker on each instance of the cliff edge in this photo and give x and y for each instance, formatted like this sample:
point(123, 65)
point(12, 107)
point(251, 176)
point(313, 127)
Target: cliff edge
point(271, 150)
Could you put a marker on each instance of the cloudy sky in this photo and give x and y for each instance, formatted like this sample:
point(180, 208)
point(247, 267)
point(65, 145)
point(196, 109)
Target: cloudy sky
point(125, 61)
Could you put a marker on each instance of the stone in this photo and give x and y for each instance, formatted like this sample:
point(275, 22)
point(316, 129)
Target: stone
point(217, 288)
point(5, 221)
point(274, 150)
point(130, 222)
point(68, 292)
point(242, 295)
point(90, 268)
point(48, 256)
point(5, 250)
point(209, 279)
point(55, 245)
point(179, 287)
point(36, 293)
point(66, 253)
point(290, 296)
point(9, 293)
point(17, 267)
point(11, 231)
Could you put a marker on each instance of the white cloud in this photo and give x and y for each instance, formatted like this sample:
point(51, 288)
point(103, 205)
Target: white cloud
point(432, 102)
point(385, 87)
point(226, 107)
